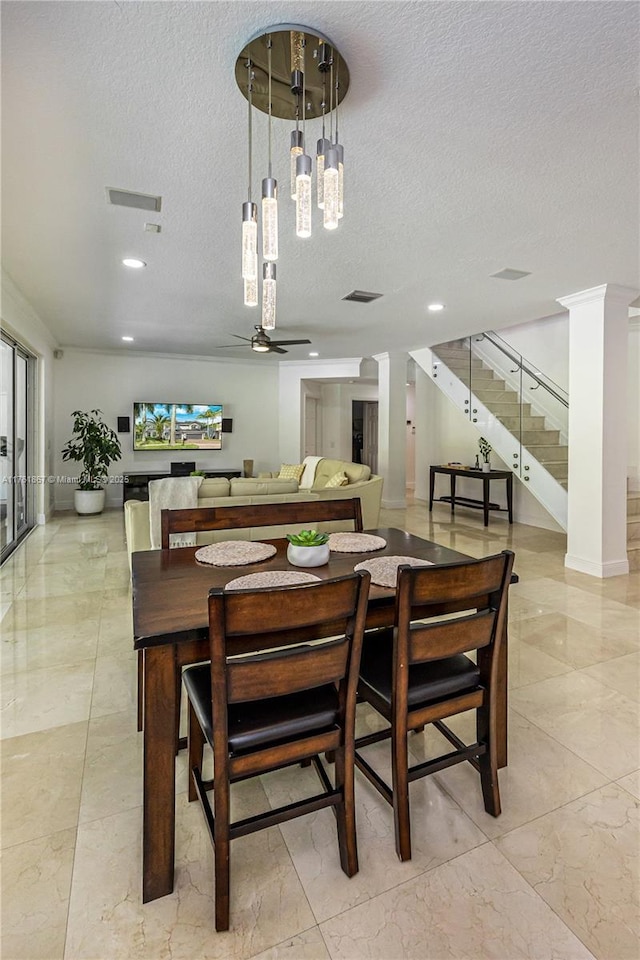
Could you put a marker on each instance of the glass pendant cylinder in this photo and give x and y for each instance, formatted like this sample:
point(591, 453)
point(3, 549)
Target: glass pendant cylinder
point(303, 196)
point(340, 150)
point(296, 151)
point(331, 187)
point(268, 296)
point(250, 292)
point(249, 241)
point(270, 219)
point(321, 152)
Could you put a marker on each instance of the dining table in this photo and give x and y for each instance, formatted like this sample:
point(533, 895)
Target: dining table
point(170, 623)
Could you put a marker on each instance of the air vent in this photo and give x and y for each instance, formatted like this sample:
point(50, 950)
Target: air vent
point(509, 274)
point(362, 296)
point(141, 201)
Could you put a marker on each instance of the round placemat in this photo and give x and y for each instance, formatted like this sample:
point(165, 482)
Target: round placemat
point(355, 542)
point(235, 553)
point(270, 578)
point(384, 570)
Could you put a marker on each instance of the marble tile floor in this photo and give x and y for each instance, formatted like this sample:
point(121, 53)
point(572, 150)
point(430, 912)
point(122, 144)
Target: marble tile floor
point(556, 876)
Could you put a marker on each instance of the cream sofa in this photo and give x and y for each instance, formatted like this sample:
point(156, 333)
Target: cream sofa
point(220, 492)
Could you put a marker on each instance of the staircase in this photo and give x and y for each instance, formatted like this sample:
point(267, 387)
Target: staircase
point(633, 530)
point(542, 443)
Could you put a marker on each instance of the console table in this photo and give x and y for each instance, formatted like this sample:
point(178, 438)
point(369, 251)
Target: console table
point(136, 485)
point(468, 472)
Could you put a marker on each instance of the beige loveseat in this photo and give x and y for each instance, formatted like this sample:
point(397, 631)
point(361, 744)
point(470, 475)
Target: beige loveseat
point(220, 492)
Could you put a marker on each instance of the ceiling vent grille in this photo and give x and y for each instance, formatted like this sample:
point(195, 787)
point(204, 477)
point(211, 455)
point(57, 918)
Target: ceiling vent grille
point(125, 198)
point(362, 296)
point(510, 274)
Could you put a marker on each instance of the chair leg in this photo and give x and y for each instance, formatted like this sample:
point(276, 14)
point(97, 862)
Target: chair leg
point(346, 811)
point(178, 705)
point(140, 690)
point(195, 749)
point(221, 852)
point(488, 763)
point(401, 816)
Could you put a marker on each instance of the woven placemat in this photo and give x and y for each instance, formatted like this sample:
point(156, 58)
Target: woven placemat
point(270, 578)
point(235, 553)
point(355, 542)
point(384, 570)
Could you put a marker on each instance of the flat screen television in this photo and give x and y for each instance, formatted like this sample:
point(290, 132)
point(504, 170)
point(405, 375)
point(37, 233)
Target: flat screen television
point(177, 426)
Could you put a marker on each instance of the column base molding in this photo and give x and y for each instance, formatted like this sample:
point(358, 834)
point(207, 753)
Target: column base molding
point(614, 568)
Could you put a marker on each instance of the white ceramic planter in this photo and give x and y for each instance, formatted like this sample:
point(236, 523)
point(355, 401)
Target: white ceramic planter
point(89, 501)
point(486, 467)
point(308, 556)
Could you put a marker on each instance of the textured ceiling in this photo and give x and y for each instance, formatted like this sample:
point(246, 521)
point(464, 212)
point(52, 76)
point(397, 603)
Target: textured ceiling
point(478, 136)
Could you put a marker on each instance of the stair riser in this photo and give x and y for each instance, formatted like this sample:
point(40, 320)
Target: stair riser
point(540, 437)
point(633, 530)
point(511, 410)
point(512, 424)
point(633, 505)
point(496, 396)
point(551, 452)
point(557, 470)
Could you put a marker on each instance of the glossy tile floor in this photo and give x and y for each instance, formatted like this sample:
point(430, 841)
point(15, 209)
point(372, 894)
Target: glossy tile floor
point(556, 876)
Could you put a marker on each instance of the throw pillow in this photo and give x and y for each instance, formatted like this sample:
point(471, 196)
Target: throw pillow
point(291, 471)
point(339, 479)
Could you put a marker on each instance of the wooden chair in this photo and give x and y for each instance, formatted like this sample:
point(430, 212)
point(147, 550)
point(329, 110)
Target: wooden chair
point(418, 673)
point(276, 708)
point(205, 519)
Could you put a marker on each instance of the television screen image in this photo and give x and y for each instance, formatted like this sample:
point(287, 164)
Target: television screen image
point(177, 426)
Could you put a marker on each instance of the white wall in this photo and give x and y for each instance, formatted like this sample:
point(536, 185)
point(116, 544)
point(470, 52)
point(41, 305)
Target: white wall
point(633, 448)
point(337, 416)
point(112, 381)
point(545, 344)
point(20, 320)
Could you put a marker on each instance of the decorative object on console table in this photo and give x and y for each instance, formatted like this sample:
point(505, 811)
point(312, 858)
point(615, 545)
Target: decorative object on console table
point(485, 450)
point(247, 468)
point(308, 548)
point(95, 446)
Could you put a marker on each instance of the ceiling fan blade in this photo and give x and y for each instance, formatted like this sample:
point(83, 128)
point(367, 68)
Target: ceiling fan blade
point(287, 343)
point(232, 346)
point(274, 348)
point(248, 339)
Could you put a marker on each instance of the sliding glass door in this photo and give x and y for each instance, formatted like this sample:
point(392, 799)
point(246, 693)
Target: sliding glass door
point(16, 444)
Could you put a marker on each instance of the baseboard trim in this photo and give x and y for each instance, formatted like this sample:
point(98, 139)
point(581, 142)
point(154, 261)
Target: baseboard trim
point(615, 568)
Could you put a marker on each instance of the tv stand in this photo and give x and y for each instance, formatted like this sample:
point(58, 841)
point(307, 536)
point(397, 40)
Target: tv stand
point(136, 485)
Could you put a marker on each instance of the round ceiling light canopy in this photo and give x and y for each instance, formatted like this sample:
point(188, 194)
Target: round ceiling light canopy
point(293, 48)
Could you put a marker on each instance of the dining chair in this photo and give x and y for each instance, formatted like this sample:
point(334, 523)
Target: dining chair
point(418, 673)
point(242, 517)
point(285, 704)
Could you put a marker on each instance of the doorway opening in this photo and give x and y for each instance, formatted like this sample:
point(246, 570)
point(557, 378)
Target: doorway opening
point(364, 433)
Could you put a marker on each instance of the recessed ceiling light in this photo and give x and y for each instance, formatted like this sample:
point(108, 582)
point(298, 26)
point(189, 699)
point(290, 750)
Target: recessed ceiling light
point(314, 354)
point(128, 339)
point(134, 263)
point(435, 307)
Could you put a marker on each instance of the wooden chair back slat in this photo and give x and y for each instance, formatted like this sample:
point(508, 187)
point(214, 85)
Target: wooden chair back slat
point(246, 611)
point(286, 671)
point(205, 519)
point(433, 641)
point(457, 581)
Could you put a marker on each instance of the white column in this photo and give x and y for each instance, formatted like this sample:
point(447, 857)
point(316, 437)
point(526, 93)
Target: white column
point(392, 415)
point(423, 440)
point(598, 339)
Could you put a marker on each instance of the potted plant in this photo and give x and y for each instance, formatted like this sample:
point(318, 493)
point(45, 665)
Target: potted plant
point(485, 450)
point(95, 446)
point(308, 548)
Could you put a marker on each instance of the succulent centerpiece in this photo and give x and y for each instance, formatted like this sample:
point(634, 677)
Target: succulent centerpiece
point(308, 548)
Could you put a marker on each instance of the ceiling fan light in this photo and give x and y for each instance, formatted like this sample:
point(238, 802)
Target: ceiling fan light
point(259, 346)
point(269, 296)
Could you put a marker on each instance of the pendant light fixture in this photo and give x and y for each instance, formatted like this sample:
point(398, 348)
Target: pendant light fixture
point(250, 219)
point(311, 62)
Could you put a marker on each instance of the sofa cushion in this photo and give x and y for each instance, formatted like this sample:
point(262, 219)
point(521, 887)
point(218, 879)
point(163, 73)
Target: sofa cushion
point(339, 479)
point(249, 487)
point(291, 471)
point(326, 469)
point(213, 487)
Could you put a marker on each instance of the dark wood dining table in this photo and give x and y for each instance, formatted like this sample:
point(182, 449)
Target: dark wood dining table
point(170, 622)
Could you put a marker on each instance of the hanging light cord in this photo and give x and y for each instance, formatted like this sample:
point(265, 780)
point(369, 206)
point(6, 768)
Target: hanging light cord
point(324, 100)
point(250, 136)
point(269, 44)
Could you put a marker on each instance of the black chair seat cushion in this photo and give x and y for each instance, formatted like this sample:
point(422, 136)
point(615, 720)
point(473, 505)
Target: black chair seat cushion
point(256, 724)
point(428, 682)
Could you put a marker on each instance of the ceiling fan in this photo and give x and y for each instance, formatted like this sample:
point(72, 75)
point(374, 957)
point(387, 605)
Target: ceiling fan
point(262, 343)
